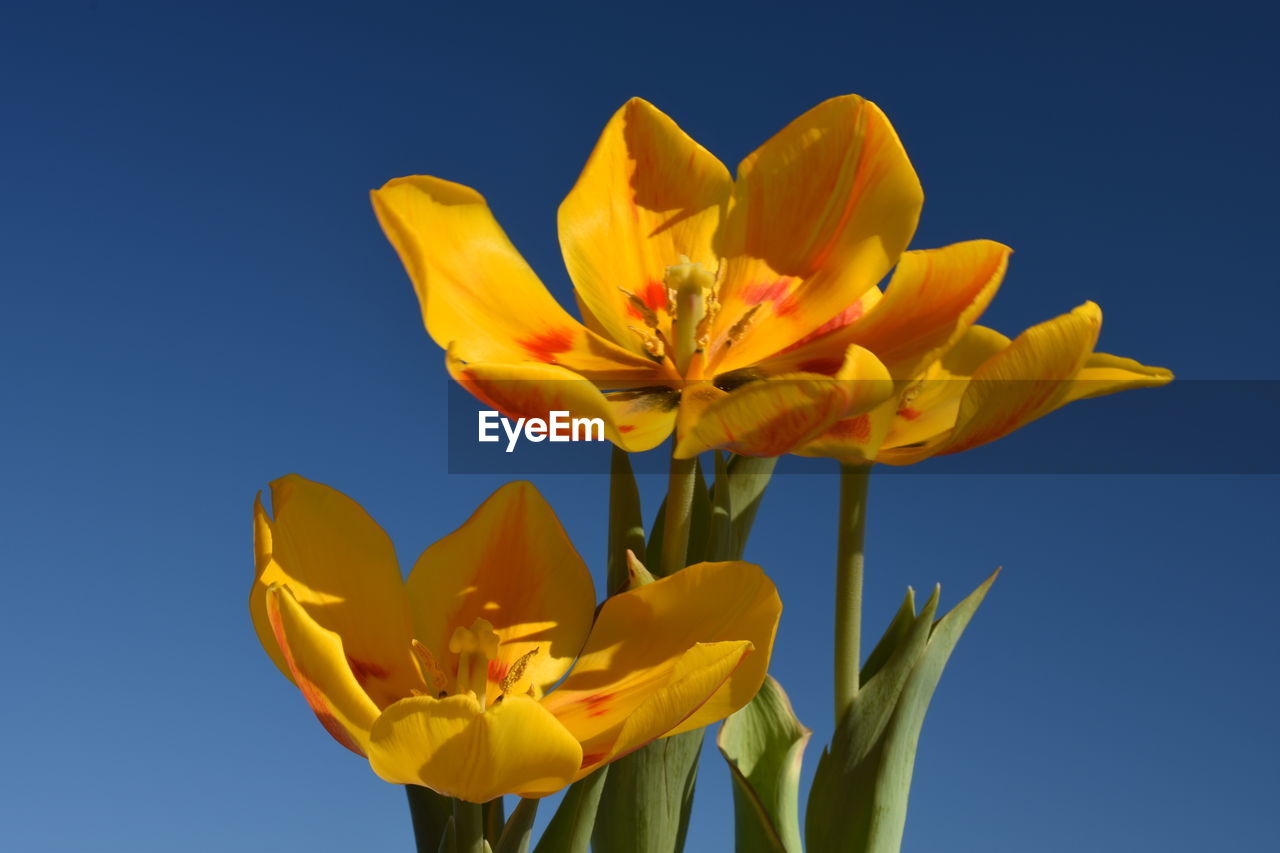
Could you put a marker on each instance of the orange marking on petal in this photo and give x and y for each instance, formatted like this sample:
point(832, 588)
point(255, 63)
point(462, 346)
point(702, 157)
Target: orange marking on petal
point(844, 318)
point(790, 304)
point(858, 429)
point(363, 670)
point(546, 345)
point(655, 295)
point(626, 427)
point(765, 291)
point(596, 703)
point(909, 413)
point(498, 670)
point(475, 387)
point(827, 366)
point(592, 758)
point(311, 693)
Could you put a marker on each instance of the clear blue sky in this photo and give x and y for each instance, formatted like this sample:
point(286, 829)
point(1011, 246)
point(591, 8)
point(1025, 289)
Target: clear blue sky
point(196, 299)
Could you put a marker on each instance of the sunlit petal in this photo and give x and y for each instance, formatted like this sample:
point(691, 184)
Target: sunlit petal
point(453, 747)
point(820, 213)
point(512, 564)
point(318, 665)
point(476, 291)
point(648, 195)
point(341, 568)
point(639, 640)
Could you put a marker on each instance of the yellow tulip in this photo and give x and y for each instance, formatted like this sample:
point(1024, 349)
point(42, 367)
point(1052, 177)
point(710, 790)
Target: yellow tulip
point(694, 286)
point(981, 388)
point(456, 679)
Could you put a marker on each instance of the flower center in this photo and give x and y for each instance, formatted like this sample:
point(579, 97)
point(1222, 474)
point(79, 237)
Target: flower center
point(679, 326)
point(476, 648)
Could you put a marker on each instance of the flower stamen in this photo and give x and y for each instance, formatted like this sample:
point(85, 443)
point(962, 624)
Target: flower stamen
point(516, 671)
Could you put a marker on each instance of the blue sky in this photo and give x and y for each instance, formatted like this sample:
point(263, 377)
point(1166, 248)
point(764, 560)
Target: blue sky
point(197, 299)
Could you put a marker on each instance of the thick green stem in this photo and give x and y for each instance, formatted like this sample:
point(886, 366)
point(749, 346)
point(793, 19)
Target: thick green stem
point(468, 822)
point(675, 526)
point(852, 525)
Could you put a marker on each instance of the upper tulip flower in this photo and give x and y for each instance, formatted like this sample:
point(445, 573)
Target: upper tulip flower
point(453, 679)
point(693, 286)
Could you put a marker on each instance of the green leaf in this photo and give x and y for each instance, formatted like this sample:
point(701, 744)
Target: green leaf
point(448, 838)
point(898, 629)
point(570, 827)
point(720, 536)
point(626, 522)
point(764, 744)
point(858, 803)
point(699, 518)
point(518, 829)
point(747, 478)
point(648, 796)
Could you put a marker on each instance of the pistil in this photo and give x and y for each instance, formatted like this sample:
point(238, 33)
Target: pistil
point(475, 647)
point(690, 284)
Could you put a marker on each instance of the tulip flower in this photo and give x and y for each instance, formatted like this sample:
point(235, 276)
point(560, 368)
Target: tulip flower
point(456, 678)
point(694, 287)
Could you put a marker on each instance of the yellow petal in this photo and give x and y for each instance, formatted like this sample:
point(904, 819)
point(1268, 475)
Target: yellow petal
point(641, 646)
point(635, 420)
point(921, 414)
point(820, 213)
point(647, 195)
point(510, 563)
point(476, 291)
point(776, 415)
point(1106, 374)
point(855, 440)
point(456, 749)
point(692, 682)
point(1025, 380)
point(341, 568)
point(934, 297)
point(315, 659)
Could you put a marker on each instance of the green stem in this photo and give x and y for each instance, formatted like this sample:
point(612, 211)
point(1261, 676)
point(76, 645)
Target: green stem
point(468, 821)
point(430, 812)
point(851, 525)
point(675, 526)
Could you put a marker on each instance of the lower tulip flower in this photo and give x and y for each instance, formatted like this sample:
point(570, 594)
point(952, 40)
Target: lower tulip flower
point(456, 678)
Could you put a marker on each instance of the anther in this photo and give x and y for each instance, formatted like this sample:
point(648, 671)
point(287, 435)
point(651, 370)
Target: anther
point(516, 671)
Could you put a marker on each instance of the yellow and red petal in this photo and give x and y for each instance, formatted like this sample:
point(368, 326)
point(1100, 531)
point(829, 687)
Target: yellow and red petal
point(646, 641)
point(1106, 374)
point(933, 298)
point(820, 213)
point(855, 440)
point(1013, 385)
point(635, 420)
point(772, 416)
point(317, 663)
point(1025, 380)
point(456, 749)
point(668, 703)
point(647, 195)
point(342, 569)
point(512, 564)
point(476, 292)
